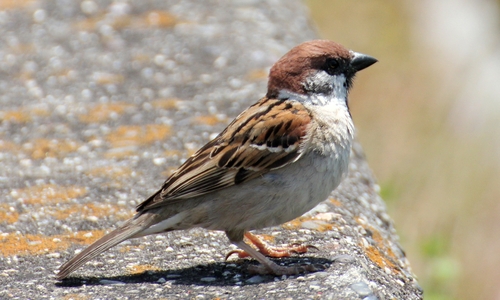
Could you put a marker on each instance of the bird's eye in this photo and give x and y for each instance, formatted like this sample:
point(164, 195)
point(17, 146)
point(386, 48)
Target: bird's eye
point(331, 65)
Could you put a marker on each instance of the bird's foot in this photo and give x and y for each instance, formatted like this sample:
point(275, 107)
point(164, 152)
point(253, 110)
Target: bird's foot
point(271, 251)
point(267, 266)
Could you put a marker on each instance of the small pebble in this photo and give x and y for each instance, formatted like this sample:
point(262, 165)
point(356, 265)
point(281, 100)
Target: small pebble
point(309, 225)
point(208, 279)
point(92, 218)
point(361, 289)
point(159, 161)
point(39, 15)
point(321, 274)
point(343, 258)
point(54, 255)
point(41, 288)
point(161, 280)
point(255, 279)
point(107, 281)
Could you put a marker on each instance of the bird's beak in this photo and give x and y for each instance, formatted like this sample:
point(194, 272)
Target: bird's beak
point(361, 61)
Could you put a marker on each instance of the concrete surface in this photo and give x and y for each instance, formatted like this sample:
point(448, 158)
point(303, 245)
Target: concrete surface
point(101, 100)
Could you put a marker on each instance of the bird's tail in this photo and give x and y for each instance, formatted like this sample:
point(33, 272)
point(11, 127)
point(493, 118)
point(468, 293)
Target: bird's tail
point(128, 230)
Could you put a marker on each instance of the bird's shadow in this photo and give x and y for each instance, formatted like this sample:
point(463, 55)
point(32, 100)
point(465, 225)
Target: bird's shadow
point(213, 274)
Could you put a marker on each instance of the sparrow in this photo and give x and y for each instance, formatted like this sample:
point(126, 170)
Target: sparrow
point(277, 160)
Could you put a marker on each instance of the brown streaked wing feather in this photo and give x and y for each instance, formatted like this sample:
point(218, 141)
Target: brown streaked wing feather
point(267, 136)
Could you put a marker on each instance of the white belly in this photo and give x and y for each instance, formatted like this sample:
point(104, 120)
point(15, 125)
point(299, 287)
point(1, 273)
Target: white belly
point(276, 197)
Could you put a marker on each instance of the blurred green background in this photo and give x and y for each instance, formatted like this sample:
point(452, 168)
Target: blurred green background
point(428, 118)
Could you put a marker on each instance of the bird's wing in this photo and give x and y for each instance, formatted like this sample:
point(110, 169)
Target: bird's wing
point(268, 135)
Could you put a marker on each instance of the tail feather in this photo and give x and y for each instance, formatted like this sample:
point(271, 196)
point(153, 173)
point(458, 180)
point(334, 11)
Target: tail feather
point(128, 230)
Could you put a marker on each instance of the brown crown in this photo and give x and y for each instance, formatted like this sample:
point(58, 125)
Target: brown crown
point(290, 71)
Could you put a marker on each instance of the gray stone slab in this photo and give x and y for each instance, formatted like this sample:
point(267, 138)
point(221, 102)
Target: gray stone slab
point(100, 100)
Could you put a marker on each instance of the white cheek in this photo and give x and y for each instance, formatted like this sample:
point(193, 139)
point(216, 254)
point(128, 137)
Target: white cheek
point(323, 89)
point(326, 85)
point(339, 86)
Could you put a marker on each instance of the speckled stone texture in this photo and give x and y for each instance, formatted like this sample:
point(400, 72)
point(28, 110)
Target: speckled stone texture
point(101, 100)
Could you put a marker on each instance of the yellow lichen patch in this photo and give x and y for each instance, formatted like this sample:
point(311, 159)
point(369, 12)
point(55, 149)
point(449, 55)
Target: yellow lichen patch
point(84, 237)
point(104, 78)
point(42, 148)
point(92, 23)
point(110, 172)
point(380, 253)
point(336, 202)
point(159, 18)
point(169, 153)
point(122, 22)
point(120, 153)
point(321, 224)
point(49, 193)
point(126, 249)
point(30, 244)
point(322, 227)
point(8, 214)
point(141, 58)
point(208, 120)
point(22, 48)
point(64, 73)
point(391, 254)
point(91, 210)
point(75, 297)
point(25, 75)
point(294, 224)
point(258, 74)
point(267, 237)
point(8, 146)
point(16, 244)
point(376, 236)
point(125, 136)
point(103, 112)
point(138, 269)
point(153, 18)
point(40, 112)
point(15, 116)
point(13, 4)
point(382, 244)
point(379, 259)
point(169, 103)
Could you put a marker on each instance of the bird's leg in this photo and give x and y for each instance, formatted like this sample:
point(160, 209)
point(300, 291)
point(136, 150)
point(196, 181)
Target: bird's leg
point(271, 268)
point(270, 251)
